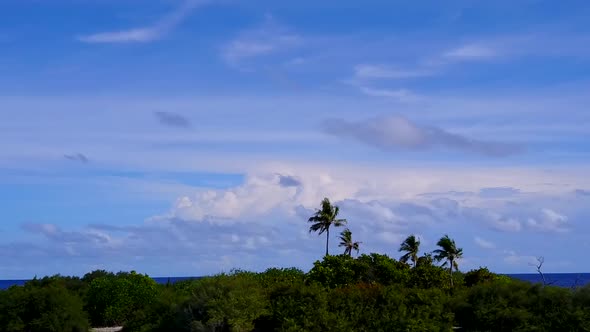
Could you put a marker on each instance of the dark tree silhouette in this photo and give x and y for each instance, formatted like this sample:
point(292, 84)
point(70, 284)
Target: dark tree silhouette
point(347, 243)
point(410, 246)
point(325, 217)
point(449, 253)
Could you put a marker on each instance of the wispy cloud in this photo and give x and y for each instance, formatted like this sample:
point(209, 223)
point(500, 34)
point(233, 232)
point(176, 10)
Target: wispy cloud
point(172, 119)
point(269, 38)
point(394, 132)
point(471, 52)
point(147, 33)
point(402, 95)
point(433, 65)
point(77, 157)
point(514, 258)
point(368, 71)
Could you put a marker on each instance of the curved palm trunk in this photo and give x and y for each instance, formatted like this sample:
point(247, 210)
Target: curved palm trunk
point(327, 239)
point(415, 260)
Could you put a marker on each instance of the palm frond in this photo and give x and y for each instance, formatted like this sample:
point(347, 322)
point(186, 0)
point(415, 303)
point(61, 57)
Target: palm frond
point(321, 227)
point(405, 258)
point(339, 222)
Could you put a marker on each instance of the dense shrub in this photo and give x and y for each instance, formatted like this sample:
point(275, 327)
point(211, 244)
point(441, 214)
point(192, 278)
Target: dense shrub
point(343, 270)
point(115, 299)
point(47, 307)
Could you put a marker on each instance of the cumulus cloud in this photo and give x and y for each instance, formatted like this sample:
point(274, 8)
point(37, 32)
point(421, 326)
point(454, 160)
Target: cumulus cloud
point(172, 119)
point(257, 196)
point(77, 157)
point(263, 221)
point(148, 33)
point(395, 132)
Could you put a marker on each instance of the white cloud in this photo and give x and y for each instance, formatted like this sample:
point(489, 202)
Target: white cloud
point(509, 225)
point(549, 221)
point(263, 222)
point(391, 238)
point(267, 39)
point(145, 34)
point(484, 243)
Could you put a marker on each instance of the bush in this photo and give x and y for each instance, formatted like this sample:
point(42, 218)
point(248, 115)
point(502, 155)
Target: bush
point(222, 303)
point(46, 307)
point(115, 299)
point(479, 276)
point(342, 270)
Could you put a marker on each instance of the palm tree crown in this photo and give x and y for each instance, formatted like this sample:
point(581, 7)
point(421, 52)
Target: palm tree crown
point(324, 218)
point(449, 253)
point(347, 243)
point(410, 246)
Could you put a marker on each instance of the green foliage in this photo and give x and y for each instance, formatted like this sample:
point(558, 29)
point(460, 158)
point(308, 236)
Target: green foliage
point(342, 270)
point(163, 312)
point(414, 310)
point(519, 306)
point(377, 268)
point(428, 276)
point(298, 307)
point(224, 302)
point(333, 271)
point(275, 276)
point(45, 305)
point(479, 276)
point(370, 293)
point(115, 299)
point(89, 277)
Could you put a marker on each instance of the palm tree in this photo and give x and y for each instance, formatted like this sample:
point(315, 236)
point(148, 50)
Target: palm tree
point(410, 246)
point(449, 253)
point(346, 242)
point(324, 218)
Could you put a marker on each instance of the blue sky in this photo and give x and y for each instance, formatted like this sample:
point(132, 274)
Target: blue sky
point(189, 137)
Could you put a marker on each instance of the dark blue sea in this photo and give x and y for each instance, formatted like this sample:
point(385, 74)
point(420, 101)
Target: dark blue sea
point(555, 279)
